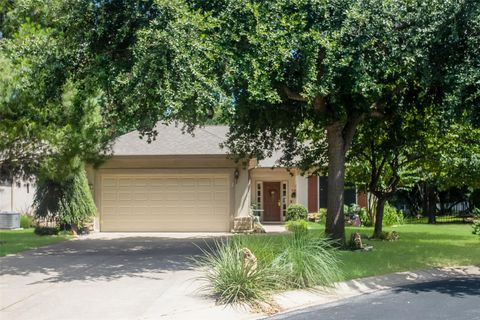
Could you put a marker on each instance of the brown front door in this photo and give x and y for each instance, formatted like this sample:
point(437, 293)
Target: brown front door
point(271, 201)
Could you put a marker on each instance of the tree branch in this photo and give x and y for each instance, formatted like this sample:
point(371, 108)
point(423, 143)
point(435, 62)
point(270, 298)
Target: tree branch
point(349, 130)
point(290, 94)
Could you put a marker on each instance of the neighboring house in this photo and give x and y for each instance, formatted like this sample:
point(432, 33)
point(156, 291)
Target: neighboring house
point(181, 182)
point(17, 196)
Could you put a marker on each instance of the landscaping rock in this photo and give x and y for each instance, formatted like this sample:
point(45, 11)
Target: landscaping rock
point(356, 240)
point(243, 224)
point(249, 260)
point(258, 228)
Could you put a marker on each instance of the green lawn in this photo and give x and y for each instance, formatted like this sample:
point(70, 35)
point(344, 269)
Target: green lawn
point(12, 241)
point(419, 247)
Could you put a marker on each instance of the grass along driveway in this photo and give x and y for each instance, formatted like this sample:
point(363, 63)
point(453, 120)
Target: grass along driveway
point(13, 241)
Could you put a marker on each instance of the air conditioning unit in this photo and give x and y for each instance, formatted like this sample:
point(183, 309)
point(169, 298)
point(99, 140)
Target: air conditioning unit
point(9, 220)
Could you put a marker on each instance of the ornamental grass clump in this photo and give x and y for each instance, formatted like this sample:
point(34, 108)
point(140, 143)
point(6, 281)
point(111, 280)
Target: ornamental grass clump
point(307, 261)
point(299, 228)
point(234, 280)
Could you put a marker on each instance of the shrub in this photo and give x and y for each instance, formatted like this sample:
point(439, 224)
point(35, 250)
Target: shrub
point(349, 210)
point(26, 221)
point(476, 213)
point(46, 231)
point(364, 218)
point(392, 216)
point(476, 227)
point(231, 280)
point(69, 202)
point(299, 227)
point(307, 261)
point(296, 212)
point(321, 216)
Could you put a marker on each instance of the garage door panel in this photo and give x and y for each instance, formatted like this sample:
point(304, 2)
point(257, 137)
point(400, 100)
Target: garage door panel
point(156, 202)
point(124, 182)
point(218, 196)
point(110, 196)
point(140, 196)
point(204, 182)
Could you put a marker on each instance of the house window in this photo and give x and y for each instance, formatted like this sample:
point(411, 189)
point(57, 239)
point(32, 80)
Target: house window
point(284, 197)
point(259, 195)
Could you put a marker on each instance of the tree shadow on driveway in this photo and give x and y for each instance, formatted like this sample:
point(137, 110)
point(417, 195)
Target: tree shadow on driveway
point(105, 260)
point(456, 287)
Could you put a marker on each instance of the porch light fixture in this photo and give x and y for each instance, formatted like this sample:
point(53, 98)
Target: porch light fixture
point(236, 175)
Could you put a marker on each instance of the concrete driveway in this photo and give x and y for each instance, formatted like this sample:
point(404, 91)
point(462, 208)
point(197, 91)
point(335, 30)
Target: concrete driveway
point(108, 277)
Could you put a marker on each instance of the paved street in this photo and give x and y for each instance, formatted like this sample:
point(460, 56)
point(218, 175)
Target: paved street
point(453, 299)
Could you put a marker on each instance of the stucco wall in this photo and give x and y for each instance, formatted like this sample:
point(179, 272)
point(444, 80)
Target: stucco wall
point(302, 190)
point(21, 193)
point(242, 193)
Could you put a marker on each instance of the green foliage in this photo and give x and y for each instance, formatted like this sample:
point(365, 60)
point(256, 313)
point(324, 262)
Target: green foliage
point(476, 227)
point(231, 280)
point(307, 261)
point(476, 213)
point(364, 218)
point(355, 209)
point(455, 156)
point(69, 202)
point(476, 222)
point(26, 221)
point(279, 72)
point(283, 261)
point(392, 216)
point(296, 212)
point(46, 231)
point(298, 227)
point(48, 124)
point(474, 199)
point(321, 216)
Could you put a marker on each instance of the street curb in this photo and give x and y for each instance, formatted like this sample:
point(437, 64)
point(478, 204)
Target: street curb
point(299, 299)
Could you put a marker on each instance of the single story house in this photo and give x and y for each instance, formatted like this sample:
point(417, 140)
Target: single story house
point(180, 182)
point(17, 196)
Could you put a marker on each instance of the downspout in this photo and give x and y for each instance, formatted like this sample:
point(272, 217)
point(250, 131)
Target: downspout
point(11, 194)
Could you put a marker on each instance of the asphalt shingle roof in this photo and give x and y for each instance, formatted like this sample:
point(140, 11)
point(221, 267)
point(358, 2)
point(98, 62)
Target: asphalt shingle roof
point(171, 141)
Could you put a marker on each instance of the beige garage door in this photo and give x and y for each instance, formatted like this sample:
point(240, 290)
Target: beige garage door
point(164, 202)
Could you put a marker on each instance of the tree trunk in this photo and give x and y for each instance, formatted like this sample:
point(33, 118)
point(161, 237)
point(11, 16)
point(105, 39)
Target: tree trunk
point(425, 208)
point(441, 197)
point(432, 204)
point(379, 216)
point(335, 224)
point(372, 204)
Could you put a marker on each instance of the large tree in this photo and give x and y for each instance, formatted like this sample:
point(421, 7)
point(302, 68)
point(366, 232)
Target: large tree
point(75, 74)
point(302, 75)
point(388, 152)
point(283, 71)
